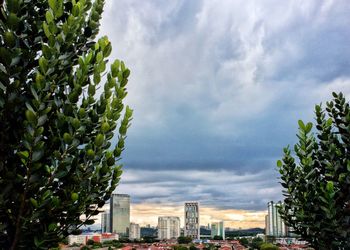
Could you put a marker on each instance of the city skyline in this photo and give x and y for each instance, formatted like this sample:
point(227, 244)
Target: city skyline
point(217, 88)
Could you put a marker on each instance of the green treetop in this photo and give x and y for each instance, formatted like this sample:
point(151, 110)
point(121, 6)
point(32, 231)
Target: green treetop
point(59, 110)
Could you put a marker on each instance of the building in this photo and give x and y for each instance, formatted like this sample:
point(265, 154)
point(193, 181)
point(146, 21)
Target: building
point(83, 238)
point(192, 228)
point(274, 223)
point(218, 229)
point(134, 231)
point(105, 222)
point(120, 214)
point(168, 227)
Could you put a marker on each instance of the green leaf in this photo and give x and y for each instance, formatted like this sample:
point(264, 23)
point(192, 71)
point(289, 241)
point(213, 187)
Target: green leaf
point(308, 127)
point(301, 125)
point(31, 116)
point(13, 21)
point(37, 155)
point(330, 186)
point(49, 17)
point(74, 196)
point(90, 153)
point(67, 138)
point(52, 227)
point(105, 127)
point(34, 202)
point(279, 163)
point(329, 122)
point(99, 140)
point(89, 222)
point(43, 65)
point(52, 4)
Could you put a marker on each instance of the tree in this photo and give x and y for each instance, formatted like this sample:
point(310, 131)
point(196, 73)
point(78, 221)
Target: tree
point(256, 243)
point(184, 240)
point(244, 241)
point(56, 156)
point(268, 246)
point(192, 247)
point(317, 184)
point(217, 237)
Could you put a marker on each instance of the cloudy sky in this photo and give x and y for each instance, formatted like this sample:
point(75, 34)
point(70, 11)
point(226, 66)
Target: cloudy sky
point(217, 88)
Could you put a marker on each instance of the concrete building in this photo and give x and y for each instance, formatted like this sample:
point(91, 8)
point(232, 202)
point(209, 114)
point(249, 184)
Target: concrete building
point(168, 227)
point(83, 238)
point(120, 214)
point(105, 222)
point(218, 229)
point(274, 224)
point(192, 228)
point(134, 231)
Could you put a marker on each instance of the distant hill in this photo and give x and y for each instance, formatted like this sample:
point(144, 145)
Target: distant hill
point(244, 232)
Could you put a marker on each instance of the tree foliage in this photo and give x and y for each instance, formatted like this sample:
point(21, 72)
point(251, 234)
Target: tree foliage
point(317, 183)
point(268, 246)
point(184, 240)
point(57, 119)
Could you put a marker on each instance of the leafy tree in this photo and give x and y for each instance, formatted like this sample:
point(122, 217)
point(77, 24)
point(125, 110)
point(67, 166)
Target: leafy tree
point(56, 159)
point(317, 184)
point(184, 240)
point(244, 241)
point(268, 246)
point(217, 237)
point(256, 243)
point(193, 247)
point(90, 242)
point(179, 247)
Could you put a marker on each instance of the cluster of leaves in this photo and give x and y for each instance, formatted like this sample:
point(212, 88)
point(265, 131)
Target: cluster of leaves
point(56, 160)
point(317, 186)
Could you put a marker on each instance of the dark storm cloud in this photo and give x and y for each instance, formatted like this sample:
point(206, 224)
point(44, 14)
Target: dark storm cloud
point(217, 88)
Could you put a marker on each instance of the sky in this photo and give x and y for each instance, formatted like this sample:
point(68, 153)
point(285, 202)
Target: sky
point(217, 88)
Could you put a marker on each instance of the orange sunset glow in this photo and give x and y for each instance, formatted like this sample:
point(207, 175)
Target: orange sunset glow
point(148, 214)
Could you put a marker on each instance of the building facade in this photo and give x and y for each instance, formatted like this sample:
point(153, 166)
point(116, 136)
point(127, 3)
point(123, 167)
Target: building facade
point(120, 214)
point(134, 231)
point(218, 229)
point(168, 227)
point(192, 228)
point(105, 222)
point(274, 223)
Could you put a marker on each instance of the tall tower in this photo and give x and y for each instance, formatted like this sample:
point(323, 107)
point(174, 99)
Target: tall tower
point(274, 223)
point(105, 222)
point(168, 227)
point(218, 229)
point(120, 213)
point(192, 220)
point(134, 232)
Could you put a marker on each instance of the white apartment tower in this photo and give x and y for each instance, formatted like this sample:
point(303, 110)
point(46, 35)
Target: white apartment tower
point(134, 231)
point(192, 220)
point(168, 227)
point(105, 222)
point(274, 224)
point(120, 213)
point(218, 229)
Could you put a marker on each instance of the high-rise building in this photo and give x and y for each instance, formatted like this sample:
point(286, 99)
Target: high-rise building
point(168, 227)
point(105, 222)
point(134, 231)
point(120, 213)
point(217, 229)
point(274, 223)
point(192, 220)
